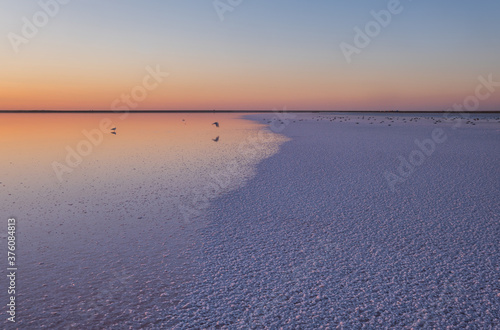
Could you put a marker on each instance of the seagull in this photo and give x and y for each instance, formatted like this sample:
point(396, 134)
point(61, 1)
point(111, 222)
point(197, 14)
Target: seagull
point(216, 124)
point(216, 139)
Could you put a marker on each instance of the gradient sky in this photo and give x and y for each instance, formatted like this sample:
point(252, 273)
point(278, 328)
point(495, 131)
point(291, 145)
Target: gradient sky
point(265, 54)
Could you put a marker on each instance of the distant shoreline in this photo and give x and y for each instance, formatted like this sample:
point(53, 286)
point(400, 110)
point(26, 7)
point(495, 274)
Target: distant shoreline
point(243, 111)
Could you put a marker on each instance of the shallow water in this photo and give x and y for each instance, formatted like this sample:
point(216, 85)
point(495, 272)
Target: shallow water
point(107, 222)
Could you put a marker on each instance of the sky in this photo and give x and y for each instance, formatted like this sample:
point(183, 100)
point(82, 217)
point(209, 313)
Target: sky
point(247, 55)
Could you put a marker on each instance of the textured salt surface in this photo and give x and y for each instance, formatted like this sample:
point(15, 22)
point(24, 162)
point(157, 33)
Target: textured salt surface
point(318, 238)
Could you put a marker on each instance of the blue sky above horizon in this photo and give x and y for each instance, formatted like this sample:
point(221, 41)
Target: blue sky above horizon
point(263, 55)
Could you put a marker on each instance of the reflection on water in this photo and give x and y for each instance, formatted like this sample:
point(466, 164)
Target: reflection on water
point(107, 207)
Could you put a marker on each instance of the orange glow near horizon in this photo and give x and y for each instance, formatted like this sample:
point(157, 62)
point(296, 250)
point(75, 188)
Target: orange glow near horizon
point(84, 82)
point(338, 95)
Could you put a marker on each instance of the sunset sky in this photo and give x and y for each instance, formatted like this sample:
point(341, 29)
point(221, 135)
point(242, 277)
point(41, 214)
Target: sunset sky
point(263, 54)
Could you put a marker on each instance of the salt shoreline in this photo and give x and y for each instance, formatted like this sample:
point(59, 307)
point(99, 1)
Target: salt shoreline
point(317, 238)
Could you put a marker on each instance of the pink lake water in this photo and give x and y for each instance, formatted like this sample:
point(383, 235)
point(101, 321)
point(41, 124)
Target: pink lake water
point(106, 223)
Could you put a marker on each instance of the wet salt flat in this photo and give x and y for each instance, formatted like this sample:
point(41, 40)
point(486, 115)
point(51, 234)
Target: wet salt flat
point(111, 243)
point(165, 226)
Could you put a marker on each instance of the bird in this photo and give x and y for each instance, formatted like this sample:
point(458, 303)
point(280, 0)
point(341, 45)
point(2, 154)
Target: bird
point(216, 124)
point(113, 133)
point(113, 129)
point(216, 139)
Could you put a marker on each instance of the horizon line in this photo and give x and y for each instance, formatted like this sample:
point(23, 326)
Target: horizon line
point(241, 111)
